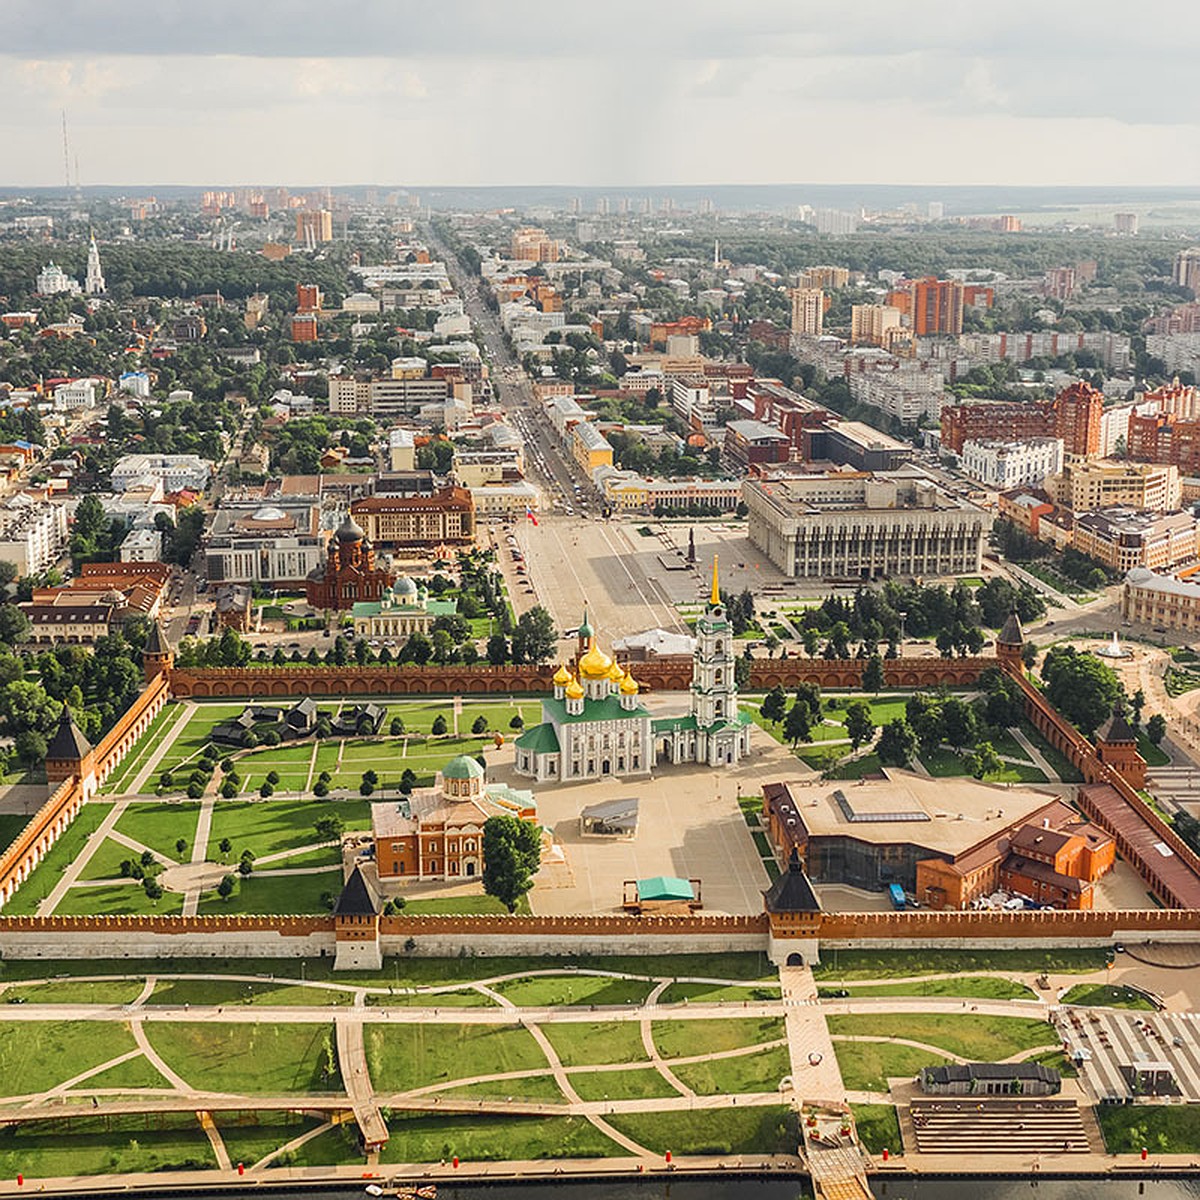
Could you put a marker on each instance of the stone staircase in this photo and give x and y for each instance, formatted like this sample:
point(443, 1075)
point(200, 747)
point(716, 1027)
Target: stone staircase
point(965, 1125)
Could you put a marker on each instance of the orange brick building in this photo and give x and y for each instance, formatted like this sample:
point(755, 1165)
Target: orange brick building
point(437, 832)
point(1073, 415)
point(932, 305)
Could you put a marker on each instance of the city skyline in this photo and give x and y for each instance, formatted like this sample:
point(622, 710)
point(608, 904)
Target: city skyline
point(662, 95)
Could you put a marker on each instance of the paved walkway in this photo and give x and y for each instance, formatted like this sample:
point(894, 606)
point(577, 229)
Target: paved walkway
point(81, 860)
point(352, 1061)
point(1035, 755)
point(191, 898)
point(169, 730)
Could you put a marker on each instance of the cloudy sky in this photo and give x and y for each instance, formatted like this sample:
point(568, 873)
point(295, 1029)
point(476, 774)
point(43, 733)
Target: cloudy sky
point(620, 92)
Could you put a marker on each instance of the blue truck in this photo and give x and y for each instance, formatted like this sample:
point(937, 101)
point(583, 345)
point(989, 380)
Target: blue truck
point(896, 892)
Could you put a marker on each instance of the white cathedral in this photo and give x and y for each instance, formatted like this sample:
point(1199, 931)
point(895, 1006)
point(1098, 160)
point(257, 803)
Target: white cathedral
point(596, 727)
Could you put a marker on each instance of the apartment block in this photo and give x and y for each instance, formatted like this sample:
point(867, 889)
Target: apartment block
point(1124, 538)
point(383, 395)
point(808, 311)
point(869, 323)
point(1074, 415)
point(1101, 483)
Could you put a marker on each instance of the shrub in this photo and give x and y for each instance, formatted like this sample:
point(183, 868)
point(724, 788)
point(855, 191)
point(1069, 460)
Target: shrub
point(229, 789)
point(366, 788)
point(195, 791)
point(439, 725)
point(226, 886)
point(206, 765)
point(266, 790)
point(165, 779)
point(273, 778)
point(321, 789)
point(271, 738)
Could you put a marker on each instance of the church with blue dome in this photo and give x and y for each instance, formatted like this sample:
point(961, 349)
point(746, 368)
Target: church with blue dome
point(597, 727)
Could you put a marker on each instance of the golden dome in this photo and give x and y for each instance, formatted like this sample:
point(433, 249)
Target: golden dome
point(616, 673)
point(562, 677)
point(574, 691)
point(595, 663)
point(629, 685)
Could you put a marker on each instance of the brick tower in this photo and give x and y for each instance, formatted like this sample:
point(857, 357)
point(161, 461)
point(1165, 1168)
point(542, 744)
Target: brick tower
point(157, 656)
point(1009, 643)
point(1116, 745)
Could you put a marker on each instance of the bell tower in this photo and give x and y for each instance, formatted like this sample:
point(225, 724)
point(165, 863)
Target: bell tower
point(714, 691)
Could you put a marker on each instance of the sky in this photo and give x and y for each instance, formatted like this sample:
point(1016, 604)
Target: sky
point(613, 92)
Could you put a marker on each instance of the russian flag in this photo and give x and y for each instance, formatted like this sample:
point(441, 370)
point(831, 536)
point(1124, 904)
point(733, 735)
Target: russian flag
point(529, 514)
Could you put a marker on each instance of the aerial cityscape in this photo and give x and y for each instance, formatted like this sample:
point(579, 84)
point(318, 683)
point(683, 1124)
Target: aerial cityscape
point(548, 670)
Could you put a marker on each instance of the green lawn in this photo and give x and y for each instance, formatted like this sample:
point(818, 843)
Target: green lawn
point(867, 1066)
point(867, 965)
point(59, 857)
point(160, 826)
point(944, 763)
point(759, 1072)
point(980, 986)
point(878, 1128)
point(473, 904)
point(1173, 1130)
point(969, 1035)
point(237, 991)
point(76, 991)
point(639, 1083)
point(402, 1057)
point(767, 1130)
point(1106, 996)
point(530, 1087)
point(545, 991)
point(161, 728)
point(713, 993)
point(266, 827)
point(259, 1059)
point(105, 1146)
point(36, 1056)
point(592, 1043)
point(1154, 755)
point(187, 743)
point(1007, 746)
point(105, 863)
point(132, 1073)
point(253, 1139)
point(681, 1039)
point(11, 825)
point(332, 1148)
point(116, 899)
point(867, 764)
point(488, 1139)
point(290, 895)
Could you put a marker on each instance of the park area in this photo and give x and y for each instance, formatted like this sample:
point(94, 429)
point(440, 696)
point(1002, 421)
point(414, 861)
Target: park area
point(565, 1086)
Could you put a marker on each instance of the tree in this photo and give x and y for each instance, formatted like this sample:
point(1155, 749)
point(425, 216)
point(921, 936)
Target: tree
point(897, 743)
point(512, 853)
point(497, 650)
point(479, 725)
point(1080, 686)
point(859, 725)
point(224, 845)
point(812, 641)
point(320, 789)
point(959, 724)
point(180, 846)
point(14, 624)
point(1156, 729)
point(245, 866)
point(534, 640)
point(1029, 654)
point(797, 725)
point(774, 705)
point(273, 778)
point(516, 722)
point(984, 761)
point(439, 725)
point(226, 886)
point(30, 747)
point(228, 788)
point(1136, 704)
point(872, 676)
point(330, 828)
point(152, 888)
point(396, 728)
point(267, 791)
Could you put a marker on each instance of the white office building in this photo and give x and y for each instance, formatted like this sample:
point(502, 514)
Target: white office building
point(176, 471)
point(32, 535)
point(1003, 464)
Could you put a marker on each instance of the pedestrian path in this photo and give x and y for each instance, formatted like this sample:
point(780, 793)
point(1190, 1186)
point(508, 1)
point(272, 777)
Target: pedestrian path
point(81, 860)
point(352, 1061)
point(168, 735)
point(191, 898)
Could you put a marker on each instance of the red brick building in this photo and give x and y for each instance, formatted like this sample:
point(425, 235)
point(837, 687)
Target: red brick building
point(1163, 437)
point(1073, 415)
point(350, 573)
point(932, 305)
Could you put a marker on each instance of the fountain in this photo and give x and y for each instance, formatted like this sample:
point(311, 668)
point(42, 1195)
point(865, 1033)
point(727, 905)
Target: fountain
point(1114, 649)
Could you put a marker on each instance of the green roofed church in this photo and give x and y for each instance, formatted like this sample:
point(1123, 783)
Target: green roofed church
point(595, 726)
point(402, 610)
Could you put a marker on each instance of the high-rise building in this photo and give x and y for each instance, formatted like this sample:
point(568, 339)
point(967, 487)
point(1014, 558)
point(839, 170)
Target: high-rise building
point(1075, 415)
point(95, 276)
point(314, 226)
point(1126, 223)
point(308, 298)
point(869, 323)
point(933, 305)
point(808, 311)
point(828, 278)
point(530, 244)
point(1186, 269)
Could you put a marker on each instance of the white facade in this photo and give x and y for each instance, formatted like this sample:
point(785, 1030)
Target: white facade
point(32, 536)
point(95, 285)
point(269, 560)
point(136, 383)
point(175, 470)
point(1003, 464)
point(79, 393)
point(142, 545)
point(52, 280)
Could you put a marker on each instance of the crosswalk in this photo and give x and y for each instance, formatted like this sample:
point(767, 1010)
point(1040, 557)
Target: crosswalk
point(1108, 1039)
